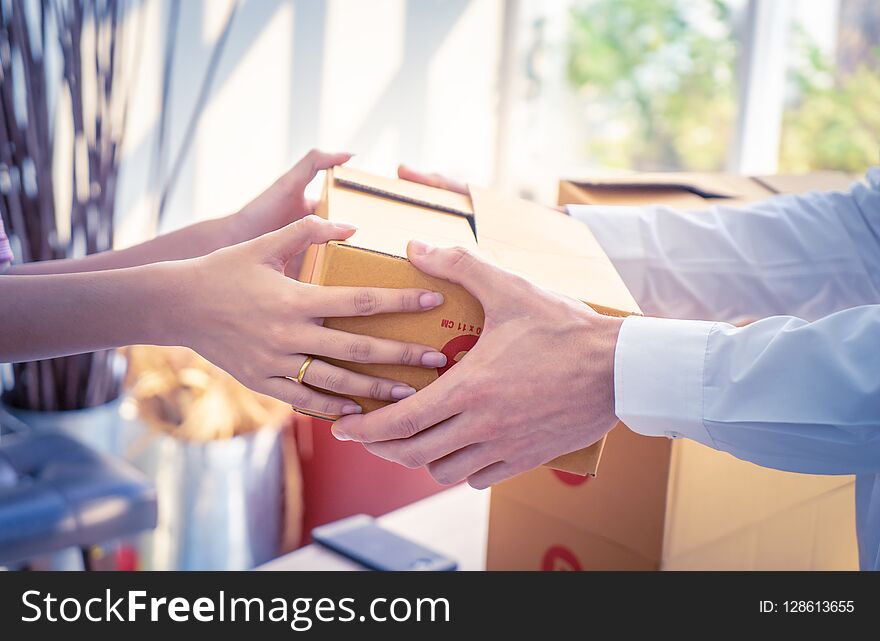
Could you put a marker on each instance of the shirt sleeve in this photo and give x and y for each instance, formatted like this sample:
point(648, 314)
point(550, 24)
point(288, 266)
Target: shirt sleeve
point(781, 392)
point(806, 255)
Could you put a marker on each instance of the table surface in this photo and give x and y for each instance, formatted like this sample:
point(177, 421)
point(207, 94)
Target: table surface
point(453, 522)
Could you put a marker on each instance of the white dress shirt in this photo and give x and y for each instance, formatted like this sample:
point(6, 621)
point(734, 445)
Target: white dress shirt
point(797, 390)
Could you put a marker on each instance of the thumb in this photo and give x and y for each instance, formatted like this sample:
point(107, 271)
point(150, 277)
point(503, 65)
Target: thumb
point(457, 265)
point(285, 243)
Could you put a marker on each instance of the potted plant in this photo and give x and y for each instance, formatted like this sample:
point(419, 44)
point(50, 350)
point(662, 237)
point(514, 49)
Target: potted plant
point(68, 69)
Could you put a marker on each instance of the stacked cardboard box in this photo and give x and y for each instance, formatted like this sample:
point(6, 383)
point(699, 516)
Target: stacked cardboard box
point(662, 504)
point(543, 244)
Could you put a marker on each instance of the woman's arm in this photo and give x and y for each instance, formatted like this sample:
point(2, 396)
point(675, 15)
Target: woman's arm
point(233, 306)
point(44, 316)
point(282, 203)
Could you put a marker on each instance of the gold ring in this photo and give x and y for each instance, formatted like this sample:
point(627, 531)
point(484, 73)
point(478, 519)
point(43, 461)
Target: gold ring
point(303, 368)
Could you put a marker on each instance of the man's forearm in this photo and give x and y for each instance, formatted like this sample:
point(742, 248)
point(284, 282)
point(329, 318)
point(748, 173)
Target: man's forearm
point(196, 240)
point(45, 316)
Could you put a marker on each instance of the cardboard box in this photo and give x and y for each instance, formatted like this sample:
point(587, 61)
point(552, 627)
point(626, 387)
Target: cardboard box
point(543, 244)
point(684, 190)
point(675, 504)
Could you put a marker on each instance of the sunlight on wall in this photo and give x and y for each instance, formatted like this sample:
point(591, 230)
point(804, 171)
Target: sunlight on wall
point(392, 80)
point(242, 142)
point(363, 50)
point(460, 124)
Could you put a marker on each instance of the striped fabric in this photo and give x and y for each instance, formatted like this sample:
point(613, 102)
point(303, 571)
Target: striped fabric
point(5, 249)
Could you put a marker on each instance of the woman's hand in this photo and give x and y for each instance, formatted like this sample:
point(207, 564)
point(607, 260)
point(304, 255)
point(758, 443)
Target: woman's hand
point(283, 202)
point(239, 310)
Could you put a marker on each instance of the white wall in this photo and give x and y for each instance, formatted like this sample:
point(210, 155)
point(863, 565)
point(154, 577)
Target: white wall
point(392, 80)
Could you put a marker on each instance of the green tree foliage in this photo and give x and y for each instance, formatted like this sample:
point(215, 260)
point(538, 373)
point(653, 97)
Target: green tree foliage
point(833, 120)
point(662, 74)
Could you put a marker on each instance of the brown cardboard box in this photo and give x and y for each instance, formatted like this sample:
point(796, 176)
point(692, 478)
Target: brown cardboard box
point(685, 190)
point(543, 244)
point(662, 504)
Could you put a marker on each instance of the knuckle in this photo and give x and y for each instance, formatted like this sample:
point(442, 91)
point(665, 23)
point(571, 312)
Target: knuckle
point(298, 397)
point(366, 301)
point(491, 430)
point(334, 382)
point(441, 473)
point(409, 301)
point(359, 350)
point(310, 222)
point(411, 457)
point(328, 406)
point(405, 426)
point(461, 258)
point(408, 355)
point(377, 389)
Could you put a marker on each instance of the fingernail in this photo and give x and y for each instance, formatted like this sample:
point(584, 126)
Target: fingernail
point(351, 408)
point(431, 299)
point(345, 226)
point(433, 359)
point(401, 391)
point(339, 436)
point(418, 247)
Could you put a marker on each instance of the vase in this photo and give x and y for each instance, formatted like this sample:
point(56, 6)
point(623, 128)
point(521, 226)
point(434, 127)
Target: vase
point(221, 502)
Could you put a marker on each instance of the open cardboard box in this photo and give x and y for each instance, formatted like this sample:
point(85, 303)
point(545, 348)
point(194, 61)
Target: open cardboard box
point(675, 504)
point(684, 190)
point(543, 244)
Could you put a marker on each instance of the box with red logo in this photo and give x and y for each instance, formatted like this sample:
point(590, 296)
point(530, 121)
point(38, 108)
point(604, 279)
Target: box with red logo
point(662, 504)
point(543, 244)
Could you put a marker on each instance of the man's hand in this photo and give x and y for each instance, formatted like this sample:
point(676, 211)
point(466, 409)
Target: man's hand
point(539, 383)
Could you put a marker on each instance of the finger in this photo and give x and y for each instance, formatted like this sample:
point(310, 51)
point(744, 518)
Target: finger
point(462, 463)
point(432, 405)
point(285, 243)
point(432, 180)
point(342, 381)
point(302, 173)
point(497, 472)
point(368, 301)
point(311, 205)
point(429, 445)
point(357, 348)
point(459, 265)
point(304, 398)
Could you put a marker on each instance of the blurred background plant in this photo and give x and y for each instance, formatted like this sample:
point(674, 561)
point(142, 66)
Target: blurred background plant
point(657, 67)
point(832, 117)
point(68, 70)
point(65, 90)
point(659, 82)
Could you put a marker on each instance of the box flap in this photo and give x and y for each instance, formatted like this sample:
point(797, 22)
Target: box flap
point(705, 185)
point(387, 224)
point(572, 194)
point(404, 190)
point(549, 248)
point(801, 183)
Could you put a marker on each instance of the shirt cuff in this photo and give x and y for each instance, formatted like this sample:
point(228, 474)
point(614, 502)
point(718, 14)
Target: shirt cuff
point(658, 377)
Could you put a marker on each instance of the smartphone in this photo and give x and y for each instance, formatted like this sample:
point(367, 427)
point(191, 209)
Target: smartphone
point(361, 539)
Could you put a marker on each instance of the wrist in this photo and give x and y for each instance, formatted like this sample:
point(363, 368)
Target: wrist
point(602, 337)
point(170, 296)
point(232, 230)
